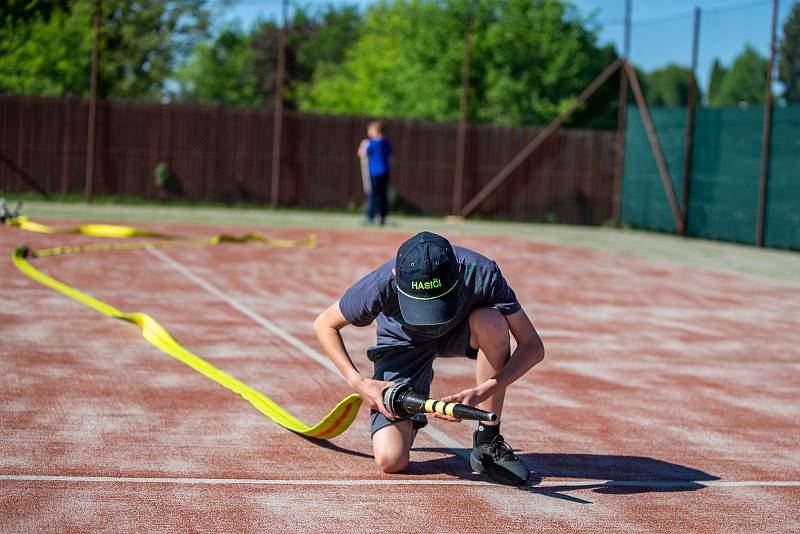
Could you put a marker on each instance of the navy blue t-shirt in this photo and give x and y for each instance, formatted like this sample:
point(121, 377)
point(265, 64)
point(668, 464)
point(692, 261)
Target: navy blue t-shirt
point(378, 152)
point(375, 297)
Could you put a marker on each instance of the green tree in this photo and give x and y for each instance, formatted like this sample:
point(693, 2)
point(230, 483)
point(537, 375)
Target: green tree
point(533, 57)
point(20, 12)
point(718, 72)
point(321, 38)
point(669, 87)
point(248, 74)
point(789, 62)
point(264, 41)
point(600, 110)
point(143, 41)
point(529, 61)
point(221, 70)
point(48, 50)
point(406, 62)
point(746, 81)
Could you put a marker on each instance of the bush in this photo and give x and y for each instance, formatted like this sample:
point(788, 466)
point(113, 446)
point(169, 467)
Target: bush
point(162, 174)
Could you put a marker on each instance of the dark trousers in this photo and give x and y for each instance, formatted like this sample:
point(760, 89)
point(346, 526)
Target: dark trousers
point(378, 197)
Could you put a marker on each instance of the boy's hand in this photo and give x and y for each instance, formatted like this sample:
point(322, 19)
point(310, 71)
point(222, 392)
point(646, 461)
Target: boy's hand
point(446, 418)
point(371, 392)
point(470, 397)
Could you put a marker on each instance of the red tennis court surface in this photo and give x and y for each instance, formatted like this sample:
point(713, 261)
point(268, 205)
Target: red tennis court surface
point(668, 400)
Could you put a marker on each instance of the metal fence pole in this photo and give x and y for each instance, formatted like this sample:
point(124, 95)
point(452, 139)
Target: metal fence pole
point(622, 110)
point(766, 137)
point(619, 157)
point(277, 129)
point(688, 141)
point(91, 134)
point(461, 142)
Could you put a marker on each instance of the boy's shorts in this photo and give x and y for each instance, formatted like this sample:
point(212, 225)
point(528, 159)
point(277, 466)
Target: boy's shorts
point(414, 365)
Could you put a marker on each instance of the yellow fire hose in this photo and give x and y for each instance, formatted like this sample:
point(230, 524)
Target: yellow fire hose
point(333, 424)
point(94, 230)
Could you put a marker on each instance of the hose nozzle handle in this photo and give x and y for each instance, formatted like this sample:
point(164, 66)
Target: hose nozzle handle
point(401, 400)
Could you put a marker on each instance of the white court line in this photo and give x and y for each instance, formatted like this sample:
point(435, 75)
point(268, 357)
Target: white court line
point(244, 310)
point(571, 483)
point(449, 442)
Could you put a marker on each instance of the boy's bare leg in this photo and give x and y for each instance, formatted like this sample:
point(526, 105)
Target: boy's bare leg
point(489, 333)
point(391, 446)
point(490, 453)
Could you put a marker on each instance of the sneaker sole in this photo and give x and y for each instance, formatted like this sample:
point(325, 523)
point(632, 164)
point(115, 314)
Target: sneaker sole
point(477, 467)
point(475, 463)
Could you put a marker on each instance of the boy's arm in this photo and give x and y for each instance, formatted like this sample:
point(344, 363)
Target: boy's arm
point(327, 326)
point(529, 352)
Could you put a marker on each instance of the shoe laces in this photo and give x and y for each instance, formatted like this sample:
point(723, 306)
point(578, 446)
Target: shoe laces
point(498, 449)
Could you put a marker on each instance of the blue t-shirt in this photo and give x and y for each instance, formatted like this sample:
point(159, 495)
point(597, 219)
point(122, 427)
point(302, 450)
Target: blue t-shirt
point(375, 297)
point(378, 152)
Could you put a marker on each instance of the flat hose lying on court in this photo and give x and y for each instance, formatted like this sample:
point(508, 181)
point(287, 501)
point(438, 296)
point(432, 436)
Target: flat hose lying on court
point(333, 424)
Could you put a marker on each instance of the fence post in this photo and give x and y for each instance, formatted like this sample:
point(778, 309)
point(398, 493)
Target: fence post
point(90, 134)
point(619, 157)
point(277, 129)
point(458, 182)
point(649, 128)
point(688, 141)
point(766, 137)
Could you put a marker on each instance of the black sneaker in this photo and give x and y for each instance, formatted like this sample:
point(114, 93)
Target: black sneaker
point(497, 459)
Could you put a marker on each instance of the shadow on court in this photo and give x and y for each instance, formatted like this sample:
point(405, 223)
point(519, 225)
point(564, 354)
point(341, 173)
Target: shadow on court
point(607, 474)
point(325, 444)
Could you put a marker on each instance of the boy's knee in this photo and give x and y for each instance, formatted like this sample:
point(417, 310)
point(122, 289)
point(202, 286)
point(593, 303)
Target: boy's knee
point(390, 446)
point(391, 462)
point(488, 324)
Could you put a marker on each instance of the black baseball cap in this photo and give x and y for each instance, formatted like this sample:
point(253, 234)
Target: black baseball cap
point(427, 277)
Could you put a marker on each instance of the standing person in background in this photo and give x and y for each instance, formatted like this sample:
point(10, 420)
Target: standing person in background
point(378, 151)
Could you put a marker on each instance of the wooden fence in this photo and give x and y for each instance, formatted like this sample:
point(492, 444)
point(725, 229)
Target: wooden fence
point(222, 153)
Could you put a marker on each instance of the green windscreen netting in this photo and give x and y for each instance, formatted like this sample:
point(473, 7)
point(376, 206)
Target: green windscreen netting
point(782, 225)
point(644, 201)
point(723, 189)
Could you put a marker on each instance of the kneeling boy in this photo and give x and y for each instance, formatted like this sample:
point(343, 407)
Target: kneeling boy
point(435, 300)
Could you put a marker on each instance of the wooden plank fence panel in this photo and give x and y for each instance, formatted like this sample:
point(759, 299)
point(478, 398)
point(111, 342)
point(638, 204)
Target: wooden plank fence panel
point(223, 153)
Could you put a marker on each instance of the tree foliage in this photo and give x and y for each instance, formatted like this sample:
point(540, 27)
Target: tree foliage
point(535, 57)
point(396, 58)
point(789, 61)
point(406, 62)
point(222, 70)
point(319, 38)
point(45, 47)
point(45, 51)
point(669, 87)
point(248, 75)
point(143, 40)
point(745, 82)
point(529, 60)
point(718, 72)
point(22, 12)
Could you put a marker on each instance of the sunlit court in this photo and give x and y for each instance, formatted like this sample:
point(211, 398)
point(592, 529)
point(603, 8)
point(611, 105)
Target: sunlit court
point(273, 281)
